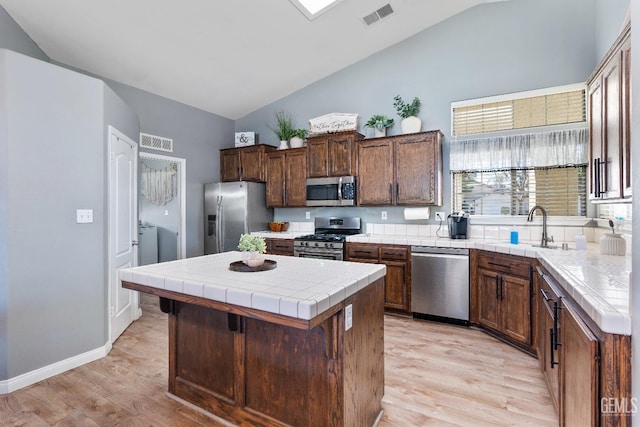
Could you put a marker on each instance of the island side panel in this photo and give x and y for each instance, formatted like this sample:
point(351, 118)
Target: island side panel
point(364, 357)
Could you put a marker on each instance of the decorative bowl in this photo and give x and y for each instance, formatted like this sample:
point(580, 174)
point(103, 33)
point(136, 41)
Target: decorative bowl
point(278, 226)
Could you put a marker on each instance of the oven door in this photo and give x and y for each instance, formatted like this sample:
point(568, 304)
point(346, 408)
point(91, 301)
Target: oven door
point(320, 253)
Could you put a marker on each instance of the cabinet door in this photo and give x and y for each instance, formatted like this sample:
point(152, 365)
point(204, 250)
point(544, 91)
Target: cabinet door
point(488, 288)
point(251, 164)
point(296, 177)
point(415, 171)
point(341, 156)
point(515, 308)
point(275, 179)
point(317, 157)
point(579, 371)
point(395, 286)
point(548, 356)
point(595, 139)
point(375, 172)
point(612, 132)
point(229, 165)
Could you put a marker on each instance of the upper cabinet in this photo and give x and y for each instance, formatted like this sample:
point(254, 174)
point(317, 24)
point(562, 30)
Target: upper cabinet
point(244, 163)
point(332, 155)
point(609, 124)
point(286, 178)
point(400, 170)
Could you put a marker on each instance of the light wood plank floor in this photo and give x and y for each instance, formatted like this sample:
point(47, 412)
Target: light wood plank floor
point(435, 375)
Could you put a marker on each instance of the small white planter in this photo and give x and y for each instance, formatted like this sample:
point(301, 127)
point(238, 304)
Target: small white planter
point(296, 142)
point(411, 124)
point(283, 145)
point(379, 133)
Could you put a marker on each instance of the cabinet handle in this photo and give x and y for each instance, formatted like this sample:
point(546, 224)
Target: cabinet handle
point(397, 191)
point(544, 295)
point(391, 192)
point(497, 287)
point(551, 349)
point(555, 342)
point(501, 288)
point(596, 177)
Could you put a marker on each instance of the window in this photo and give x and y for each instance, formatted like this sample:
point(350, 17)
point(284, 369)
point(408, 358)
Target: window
point(562, 191)
point(546, 107)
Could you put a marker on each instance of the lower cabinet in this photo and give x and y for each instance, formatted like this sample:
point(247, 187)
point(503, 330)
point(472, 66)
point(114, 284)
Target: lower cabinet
point(397, 288)
point(588, 371)
point(279, 246)
point(501, 297)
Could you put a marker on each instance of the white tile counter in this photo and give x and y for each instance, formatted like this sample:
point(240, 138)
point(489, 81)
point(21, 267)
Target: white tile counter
point(298, 287)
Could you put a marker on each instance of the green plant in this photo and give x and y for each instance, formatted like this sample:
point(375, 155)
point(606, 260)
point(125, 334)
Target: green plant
point(300, 133)
point(379, 122)
point(406, 110)
point(252, 243)
point(284, 128)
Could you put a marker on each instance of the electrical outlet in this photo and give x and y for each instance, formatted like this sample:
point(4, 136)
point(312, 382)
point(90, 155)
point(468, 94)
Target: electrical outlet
point(440, 216)
point(384, 214)
point(348, 317)
point(307, 215)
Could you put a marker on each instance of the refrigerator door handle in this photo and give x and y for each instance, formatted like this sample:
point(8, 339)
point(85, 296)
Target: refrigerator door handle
point(219, 237)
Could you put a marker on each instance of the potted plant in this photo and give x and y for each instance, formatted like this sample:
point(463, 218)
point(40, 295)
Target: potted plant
point(284, 128)
point(379, 124)
point(408, 111)
point(252, 248)
point(297, 138)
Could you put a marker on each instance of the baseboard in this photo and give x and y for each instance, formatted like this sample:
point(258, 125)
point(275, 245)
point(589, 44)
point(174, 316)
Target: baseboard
point(26, 379)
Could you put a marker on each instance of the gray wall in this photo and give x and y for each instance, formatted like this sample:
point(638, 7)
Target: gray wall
point(610, 16)
point(197, 137)
point(55, 281)
point(487, 50)
point(14, 38)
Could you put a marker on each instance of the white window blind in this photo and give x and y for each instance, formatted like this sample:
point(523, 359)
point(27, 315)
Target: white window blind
point(553, 106)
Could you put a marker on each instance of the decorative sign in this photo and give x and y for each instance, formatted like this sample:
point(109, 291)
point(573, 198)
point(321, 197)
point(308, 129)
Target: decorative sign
point(245, 138)
point(332, 123)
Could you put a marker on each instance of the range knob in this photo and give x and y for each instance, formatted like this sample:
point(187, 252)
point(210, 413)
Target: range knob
point(316, 244)
point(329, 245)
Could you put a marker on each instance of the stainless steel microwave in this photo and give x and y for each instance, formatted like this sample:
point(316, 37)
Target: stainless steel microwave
point(331, 191)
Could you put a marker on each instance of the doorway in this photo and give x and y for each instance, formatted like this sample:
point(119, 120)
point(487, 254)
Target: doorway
point(162, 208)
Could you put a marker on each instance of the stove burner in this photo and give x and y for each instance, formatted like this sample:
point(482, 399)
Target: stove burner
point(322, 237)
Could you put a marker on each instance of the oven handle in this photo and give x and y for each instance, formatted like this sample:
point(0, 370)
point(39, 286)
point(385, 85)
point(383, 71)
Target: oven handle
point(340, 188)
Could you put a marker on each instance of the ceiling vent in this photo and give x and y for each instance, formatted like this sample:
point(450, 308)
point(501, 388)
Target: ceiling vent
point(379, 14)
point(156, 142)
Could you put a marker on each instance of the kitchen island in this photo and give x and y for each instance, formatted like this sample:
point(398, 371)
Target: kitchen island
point(299, 345)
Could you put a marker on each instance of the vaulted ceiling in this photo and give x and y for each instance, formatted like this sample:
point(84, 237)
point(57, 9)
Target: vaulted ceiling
point(225, 57)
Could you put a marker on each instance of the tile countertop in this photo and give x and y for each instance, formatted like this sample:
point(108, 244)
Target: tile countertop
point(598, 283)
point(298, 287)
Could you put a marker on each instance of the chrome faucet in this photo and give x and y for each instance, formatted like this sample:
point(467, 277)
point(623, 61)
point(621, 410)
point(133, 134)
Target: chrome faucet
point(545, 240)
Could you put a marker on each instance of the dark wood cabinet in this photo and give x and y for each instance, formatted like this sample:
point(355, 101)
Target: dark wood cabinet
point(586, 369)
point(501, 297)
point(286, 178)
point(609, 124)
point(400, 170)
point(244, 163)
point(397, 289)
point(332, 155)
point(580, 367)
point(280, 246)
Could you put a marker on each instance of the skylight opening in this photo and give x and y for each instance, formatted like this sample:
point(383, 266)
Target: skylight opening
point(314, 8)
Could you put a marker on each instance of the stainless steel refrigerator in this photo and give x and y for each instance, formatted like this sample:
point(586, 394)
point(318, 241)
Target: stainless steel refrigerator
point(232, 209)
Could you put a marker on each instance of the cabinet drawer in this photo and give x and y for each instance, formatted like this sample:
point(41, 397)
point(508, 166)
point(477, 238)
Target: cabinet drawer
point(282, 245)
point(394, 254)
point(365, 251)
point(508, 264)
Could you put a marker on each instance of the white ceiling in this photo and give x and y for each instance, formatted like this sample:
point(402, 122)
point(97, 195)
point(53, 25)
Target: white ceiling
point(225, 57)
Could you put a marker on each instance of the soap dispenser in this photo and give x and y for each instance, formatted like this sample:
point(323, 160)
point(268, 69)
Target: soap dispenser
point(514, 236)
point(581, 242)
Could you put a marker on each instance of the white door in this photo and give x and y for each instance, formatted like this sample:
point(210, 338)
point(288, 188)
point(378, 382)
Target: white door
point(123, 229)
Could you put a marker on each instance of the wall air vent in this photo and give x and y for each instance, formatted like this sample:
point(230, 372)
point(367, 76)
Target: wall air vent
point(156, 142)
point(379, 14)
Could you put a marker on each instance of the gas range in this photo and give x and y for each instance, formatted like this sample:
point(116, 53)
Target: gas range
point(328, 240)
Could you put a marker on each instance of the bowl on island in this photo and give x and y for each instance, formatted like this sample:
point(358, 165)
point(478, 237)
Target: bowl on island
point(278, 226)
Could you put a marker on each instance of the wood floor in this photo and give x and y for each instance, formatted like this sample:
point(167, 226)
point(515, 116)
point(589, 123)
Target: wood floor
point(435, 375)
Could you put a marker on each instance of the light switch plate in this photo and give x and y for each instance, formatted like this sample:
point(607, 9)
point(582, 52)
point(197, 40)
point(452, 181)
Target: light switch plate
point(348, 317)
point(440, 216)
point(84, 216)
point(307, 215)
point(384, 215)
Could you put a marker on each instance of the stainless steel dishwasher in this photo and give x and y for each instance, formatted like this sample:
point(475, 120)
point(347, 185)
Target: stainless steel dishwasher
point(440, 284)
